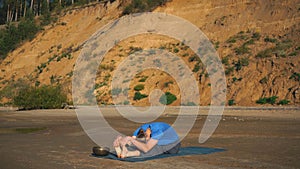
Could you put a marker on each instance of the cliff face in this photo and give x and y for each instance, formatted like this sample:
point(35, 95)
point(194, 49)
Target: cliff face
point(258, 42)
point(223, 21)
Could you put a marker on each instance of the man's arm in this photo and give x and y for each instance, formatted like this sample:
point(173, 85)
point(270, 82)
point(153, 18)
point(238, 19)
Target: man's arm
point(142, 146)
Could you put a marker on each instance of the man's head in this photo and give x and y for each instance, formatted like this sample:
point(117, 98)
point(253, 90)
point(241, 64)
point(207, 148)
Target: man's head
point(144, 133)
point(148, 133)
point(141, 134)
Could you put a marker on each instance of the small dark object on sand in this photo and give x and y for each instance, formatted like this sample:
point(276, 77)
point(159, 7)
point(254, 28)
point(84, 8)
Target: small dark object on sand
point(100, 151)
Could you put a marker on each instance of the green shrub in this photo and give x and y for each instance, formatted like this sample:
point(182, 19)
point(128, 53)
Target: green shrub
point(265, 53)
point(272, 40)
point(262, 100)
point(185, 54)
point(139, 96)
point(241, 62)
point(116, 91)
point(167, 83)
point(142, 6)
point(196, 68)
point(229, 70)
point(167, 98)
point(191, 104)
point(12, 35)
point(12, 88)
point(134, 49)
point(217, 45)
point(256, 35)
point(193, 58)
point(162, 47)
point(279, 50)
point(283, 102)
point(234, 79)
point(225, 60)
point(139, 87)
point(272, 99)
point(269, 100)
point(143, 79)
point(293, 54)
point(295, 76)
point(175, 50)
point(242, 50)
point(44, 97)
point(244, 61)
point(231, 40)
point(126, 102)
point(249, 42)
point(231, 102)
point(37, 83)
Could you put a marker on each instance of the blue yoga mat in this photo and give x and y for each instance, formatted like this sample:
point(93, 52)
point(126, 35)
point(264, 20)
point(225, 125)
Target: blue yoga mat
point(184, 151)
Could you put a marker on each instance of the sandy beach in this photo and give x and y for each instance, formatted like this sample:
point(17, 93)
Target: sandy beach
point(253, 138)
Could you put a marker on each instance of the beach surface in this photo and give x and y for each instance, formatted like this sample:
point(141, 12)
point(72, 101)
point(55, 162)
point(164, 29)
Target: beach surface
point(253, 138)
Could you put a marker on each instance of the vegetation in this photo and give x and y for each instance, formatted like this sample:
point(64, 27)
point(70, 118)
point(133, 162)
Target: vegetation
point(225, 60)
point(190, 104)
point(143, 79)
point(139, 87)
point(20, 23)
point(279, 50)
point(231, 40)
point(167, 98)
point(116, 91)
point(14, 10)
point(283, 102)
point(196, 68)
point(126, 102)
point(231, 102)
point(44, 97)
point(137, 6)
point(193, 58)
point(234, 79)
point(12, 88)
point(264, 54)
point(12, 35)
point(217, 45)
point(175, 50)
point(134, 49)
point(166, 84)
point(29, 130)
point(295, 76)
point(272, 40)
point(256, 35)
point(242, 50)
point(265, 100)
point(139, 96)
point(240, 63)
point(229, 70)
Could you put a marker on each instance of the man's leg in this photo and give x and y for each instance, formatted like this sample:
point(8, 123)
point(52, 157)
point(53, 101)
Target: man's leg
point(117, 146)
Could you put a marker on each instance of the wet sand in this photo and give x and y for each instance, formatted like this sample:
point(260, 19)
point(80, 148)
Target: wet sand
point(252, 137)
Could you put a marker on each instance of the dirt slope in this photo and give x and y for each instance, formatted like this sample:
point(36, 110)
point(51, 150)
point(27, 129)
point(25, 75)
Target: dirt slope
point(258, 42)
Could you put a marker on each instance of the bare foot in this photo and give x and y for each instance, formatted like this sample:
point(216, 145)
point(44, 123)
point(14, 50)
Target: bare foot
point(124, 152)
point(118, 151)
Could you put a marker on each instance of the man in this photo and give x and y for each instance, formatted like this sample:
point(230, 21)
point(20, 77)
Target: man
point(159, 138)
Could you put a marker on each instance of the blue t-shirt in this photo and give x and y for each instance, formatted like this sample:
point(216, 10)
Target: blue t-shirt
point(164, 133)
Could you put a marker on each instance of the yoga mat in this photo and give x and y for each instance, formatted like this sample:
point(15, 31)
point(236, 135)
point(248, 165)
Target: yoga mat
point(184, 151)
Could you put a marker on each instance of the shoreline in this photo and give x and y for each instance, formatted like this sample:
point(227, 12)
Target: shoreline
point(112, 111)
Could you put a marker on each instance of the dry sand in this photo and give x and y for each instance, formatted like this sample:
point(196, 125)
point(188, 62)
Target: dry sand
point(253, 138)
